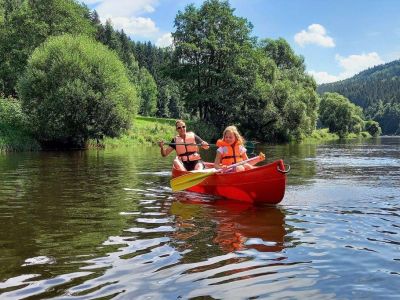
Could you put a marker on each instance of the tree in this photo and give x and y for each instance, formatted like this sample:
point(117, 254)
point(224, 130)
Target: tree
point(340, 115)
point(211, 45)
point(373, 128)
point(227, 78)
point(148, 93)
point(389, 118)
point(27, 24)
point(75, 89)
point(169, 102)
point(282, 54)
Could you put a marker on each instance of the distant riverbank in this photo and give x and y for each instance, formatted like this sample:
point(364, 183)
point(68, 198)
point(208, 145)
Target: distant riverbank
point(145, 130)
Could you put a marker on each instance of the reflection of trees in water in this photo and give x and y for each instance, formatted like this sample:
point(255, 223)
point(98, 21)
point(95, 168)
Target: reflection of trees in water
point(225, 226)
point(65, 204)
point(300, 157)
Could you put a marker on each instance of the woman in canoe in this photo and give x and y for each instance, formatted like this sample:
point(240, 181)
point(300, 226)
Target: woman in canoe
point(231, 150)
point(187, 151)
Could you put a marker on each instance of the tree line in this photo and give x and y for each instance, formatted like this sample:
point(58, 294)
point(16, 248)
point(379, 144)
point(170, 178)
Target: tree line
point(376, 90)
point(76, 78)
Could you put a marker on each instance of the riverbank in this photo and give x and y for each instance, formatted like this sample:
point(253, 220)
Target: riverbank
point(145, 130)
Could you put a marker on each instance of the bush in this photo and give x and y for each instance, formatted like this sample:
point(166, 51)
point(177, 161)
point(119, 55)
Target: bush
point(11, 115)
point(14, 135)
point(373, 128)
point(74, 89)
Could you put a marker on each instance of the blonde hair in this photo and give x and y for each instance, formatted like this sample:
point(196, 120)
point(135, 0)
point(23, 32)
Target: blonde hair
point(179, 121)
point(235, 131)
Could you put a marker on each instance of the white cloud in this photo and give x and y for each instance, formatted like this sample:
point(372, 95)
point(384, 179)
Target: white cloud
point(323, 77)
point(315, 34)
point(354, 64)
point(133, 26)
point(122, 8)
point(165, 40)
point(127, 15)
point(351, 65)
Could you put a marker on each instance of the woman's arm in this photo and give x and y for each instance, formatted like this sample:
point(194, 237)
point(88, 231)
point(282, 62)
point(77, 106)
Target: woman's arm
point(164, 152)
point(203, 143)
point(217, 162)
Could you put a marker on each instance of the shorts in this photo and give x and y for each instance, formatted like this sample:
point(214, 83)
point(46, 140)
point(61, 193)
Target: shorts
point(190, 165)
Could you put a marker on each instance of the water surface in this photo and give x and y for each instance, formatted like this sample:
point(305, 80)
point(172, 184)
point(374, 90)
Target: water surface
point(105, 224)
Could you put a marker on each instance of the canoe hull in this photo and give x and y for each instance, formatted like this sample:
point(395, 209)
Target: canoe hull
point(264, 184)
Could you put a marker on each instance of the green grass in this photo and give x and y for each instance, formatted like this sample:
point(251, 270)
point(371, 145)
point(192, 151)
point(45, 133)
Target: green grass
point(145, 130)
point(321, 135)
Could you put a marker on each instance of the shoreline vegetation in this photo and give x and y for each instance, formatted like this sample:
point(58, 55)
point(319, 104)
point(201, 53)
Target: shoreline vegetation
point(145, 131)
point(83, 84)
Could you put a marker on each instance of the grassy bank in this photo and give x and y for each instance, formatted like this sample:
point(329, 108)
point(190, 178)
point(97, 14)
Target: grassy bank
point(320, 135)
point(148, 130)
point(145, 131)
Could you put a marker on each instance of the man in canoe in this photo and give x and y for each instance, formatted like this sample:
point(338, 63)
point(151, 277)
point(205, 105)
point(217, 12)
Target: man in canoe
point(231, 150)
point(186, 146)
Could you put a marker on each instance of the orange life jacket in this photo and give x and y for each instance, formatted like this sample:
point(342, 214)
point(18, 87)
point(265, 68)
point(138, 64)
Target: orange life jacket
point(232, 155)
point(187, 152)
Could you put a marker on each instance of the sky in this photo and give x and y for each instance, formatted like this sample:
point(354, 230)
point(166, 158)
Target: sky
point(337, 38)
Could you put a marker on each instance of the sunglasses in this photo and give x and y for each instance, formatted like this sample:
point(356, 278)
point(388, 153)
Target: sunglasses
point(181, 127)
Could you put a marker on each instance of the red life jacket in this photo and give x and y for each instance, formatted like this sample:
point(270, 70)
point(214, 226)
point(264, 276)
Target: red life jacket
point(232, 154)
point(187, 152)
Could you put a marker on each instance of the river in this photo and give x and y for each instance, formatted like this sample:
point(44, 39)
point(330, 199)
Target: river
point(105, 224)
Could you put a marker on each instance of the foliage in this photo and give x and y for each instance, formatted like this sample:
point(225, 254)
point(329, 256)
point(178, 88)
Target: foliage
point(388, 116)
point(373, 128)
point(148, 93)
point(376, 90)
point(210, 48)
point(11, 115)
point(27, 24)
point(321, 134)
point(146, 64)
point(169, 102)
point(75, 89)
point(14, 135)
point(228, 79)
point(340, 115)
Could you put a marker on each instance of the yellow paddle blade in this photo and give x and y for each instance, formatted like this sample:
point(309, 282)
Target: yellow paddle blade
point(188, 180)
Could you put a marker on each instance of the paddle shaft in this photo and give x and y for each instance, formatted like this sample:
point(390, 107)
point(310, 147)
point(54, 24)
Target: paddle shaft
point(238, 164)
point(251, 145)
point(187, 144)
point(193, 178)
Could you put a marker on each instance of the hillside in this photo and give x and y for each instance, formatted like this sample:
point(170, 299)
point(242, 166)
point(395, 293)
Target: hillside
point(377, 91)
point(368, 87)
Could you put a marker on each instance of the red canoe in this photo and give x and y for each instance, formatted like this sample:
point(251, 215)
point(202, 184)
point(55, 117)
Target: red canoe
point(264, 184)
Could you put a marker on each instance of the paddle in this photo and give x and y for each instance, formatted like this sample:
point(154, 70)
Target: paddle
point(191, 179)
point(174, 144)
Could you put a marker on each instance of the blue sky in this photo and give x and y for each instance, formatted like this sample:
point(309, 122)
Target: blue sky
point(337, 38)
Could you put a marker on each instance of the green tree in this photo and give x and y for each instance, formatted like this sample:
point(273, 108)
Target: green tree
point(169, 103)
point(74, 89)
point(340, 115)
point(227, 78)
point(11, 115)
point(373, 128)
point(148, 93)
point(210, 45)
point(27, 24)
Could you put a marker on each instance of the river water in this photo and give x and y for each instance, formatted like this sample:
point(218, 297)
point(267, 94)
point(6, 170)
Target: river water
point(105, 224)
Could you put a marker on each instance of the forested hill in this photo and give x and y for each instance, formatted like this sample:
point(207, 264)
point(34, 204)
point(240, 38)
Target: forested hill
point(368, 87)
point(377, 91)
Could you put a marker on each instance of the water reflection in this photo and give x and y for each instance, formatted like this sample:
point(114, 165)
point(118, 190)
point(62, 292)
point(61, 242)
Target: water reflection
point(105, 224)
point(237, 226)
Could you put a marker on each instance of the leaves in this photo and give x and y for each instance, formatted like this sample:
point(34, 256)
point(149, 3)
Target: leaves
point(75, 89)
